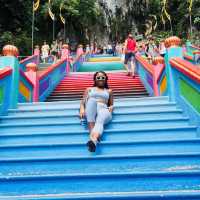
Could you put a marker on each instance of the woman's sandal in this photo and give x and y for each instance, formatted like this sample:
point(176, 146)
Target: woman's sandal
point(91, 146)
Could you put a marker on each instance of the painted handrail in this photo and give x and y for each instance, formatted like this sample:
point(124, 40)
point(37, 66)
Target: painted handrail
point(192, 54)
point(5, 88)
point(188, 56)
point(152, 76)
point(78, 61)
point(13, 63)
point(188, 69)
point(5, 72)
point(184, 84)
point(30, 59)
point(50, 78)
point(195, 47)
point(50, 69)
point(145, 64)
point(161, 80)
point(25, 88)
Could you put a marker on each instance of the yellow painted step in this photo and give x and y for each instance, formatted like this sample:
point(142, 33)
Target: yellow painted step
point(104, 59)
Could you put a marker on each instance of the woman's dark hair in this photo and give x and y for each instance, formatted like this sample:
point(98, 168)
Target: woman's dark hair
point(106, 81)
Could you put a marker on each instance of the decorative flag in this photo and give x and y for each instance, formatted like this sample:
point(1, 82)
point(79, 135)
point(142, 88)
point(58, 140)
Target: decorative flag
point(164, 11)
point(163, 19)
point(167, 15)
point(36, 5)
point(50, 12)
point(156, 21)
point(190, 6)
point(61, 17)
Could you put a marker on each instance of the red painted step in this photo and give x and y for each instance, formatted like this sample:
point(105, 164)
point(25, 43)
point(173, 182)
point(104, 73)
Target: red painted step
point(73, 83)
point(73, 86)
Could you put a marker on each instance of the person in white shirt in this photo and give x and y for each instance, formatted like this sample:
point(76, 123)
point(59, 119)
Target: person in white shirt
point(162, 49)
point(45, 52)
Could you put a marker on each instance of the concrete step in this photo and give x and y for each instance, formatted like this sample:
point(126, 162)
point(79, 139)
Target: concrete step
point(52, 117)
point(96, 165)
point(45, 138)
point(143, 195)
point(101, 183)
point(118, 125)
point(105, 148)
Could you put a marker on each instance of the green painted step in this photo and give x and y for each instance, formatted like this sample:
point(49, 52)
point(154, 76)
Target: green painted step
point(105, 66)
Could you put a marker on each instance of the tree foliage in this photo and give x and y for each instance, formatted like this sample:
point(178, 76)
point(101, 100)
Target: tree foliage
point(86, 18)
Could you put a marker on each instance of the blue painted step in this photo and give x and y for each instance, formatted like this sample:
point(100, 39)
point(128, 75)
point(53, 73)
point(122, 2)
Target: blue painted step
point(57, 112)
point(70, 128)
point(96, 165)
point(119, 182)
point(150, 151)
point(155, 195)
point(118, 102)
point(47, 117)
point(115, 136)
point(106, 148)
point(127, 109)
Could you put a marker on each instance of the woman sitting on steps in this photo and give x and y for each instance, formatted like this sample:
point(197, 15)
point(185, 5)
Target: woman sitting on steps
point(97, 107)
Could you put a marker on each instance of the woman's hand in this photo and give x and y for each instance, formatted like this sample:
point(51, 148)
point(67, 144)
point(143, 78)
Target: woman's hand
point(82, 113)
point(83, 102)
point(110, 109)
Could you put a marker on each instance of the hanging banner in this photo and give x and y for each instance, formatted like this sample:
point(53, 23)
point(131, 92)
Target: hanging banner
point(36, 5)
point(167, 15)
point(61, 17)
point(50, 12)
point(190, 6)
point(163, 19)
point(162, 14)
point(164, 10)
point(164, 3)
point(155, 21)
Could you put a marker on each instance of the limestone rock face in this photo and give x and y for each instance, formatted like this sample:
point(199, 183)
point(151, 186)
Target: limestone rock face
point(120, 17)
point(115, 10)
point(113, 4)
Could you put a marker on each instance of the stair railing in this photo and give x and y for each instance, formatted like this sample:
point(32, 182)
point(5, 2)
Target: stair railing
point(25, 88)
point(152, 75)
point(30, 59)
point(183, 82)
point(49, 79)
point(77, 63)
point(20, 88)
point(10, 59)
point(191, 48)
point(192, 53)
point(29, 86)
point(5, 88)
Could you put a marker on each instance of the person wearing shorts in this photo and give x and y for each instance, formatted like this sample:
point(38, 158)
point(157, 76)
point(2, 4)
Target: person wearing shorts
point(130, 49)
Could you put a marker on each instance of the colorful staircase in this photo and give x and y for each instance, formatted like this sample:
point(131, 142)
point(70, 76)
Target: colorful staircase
point(150, 151)
point(73, 86)
point(103, 62)
point(105, 66)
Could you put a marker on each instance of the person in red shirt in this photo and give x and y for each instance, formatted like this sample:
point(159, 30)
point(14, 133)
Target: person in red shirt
point(130, 50)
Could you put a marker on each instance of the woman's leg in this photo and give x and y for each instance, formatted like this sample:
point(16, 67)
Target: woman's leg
point(91, 112)
point(91, 126)
point(133, 65)
point(103, 117)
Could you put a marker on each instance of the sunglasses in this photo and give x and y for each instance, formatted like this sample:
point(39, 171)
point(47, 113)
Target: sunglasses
point(101, 78)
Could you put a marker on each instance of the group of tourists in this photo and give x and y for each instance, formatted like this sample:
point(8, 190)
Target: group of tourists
point(57, 50)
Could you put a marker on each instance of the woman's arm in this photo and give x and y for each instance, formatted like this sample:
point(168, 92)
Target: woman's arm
point(110, 101)
point(83, 102)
